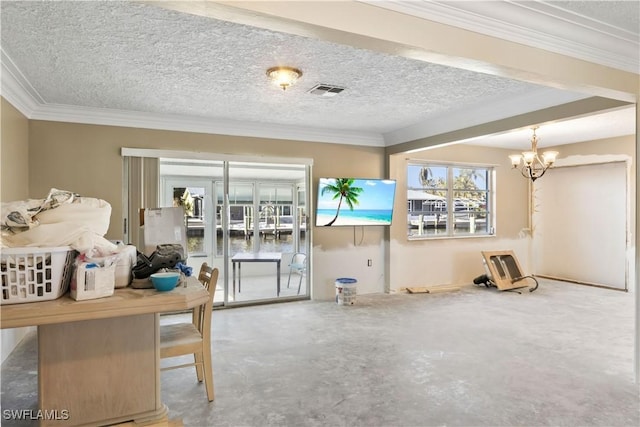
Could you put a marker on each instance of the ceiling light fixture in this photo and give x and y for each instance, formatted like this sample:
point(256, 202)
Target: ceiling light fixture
point(284, 76)
point(531, 165)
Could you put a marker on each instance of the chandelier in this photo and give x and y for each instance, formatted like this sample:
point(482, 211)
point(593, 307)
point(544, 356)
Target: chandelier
point(284, 77)
point(530, 164)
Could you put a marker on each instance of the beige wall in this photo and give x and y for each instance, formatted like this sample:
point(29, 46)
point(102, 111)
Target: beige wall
point(14, 183)
point(86, 159)
point(14, 155)
point(458, 261)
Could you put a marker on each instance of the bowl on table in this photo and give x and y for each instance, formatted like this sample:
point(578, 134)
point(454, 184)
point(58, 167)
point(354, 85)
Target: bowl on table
point(165, 281)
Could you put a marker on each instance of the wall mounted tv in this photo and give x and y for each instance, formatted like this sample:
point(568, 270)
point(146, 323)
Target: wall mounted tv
point(352, 201)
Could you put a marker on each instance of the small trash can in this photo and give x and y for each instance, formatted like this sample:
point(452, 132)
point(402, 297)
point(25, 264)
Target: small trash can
point(346, 289)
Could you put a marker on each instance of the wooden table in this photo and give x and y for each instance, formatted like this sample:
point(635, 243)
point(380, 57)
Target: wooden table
point(239, 258)
point(99, 360)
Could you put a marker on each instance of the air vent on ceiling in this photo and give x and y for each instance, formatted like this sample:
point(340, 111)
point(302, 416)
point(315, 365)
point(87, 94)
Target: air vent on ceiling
point(325, 90)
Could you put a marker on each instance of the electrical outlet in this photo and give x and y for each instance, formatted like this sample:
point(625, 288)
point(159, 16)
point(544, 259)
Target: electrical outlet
point(369, 263)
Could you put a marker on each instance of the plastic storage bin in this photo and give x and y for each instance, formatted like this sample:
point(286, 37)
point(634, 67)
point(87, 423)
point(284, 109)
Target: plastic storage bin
point(35, 274)
point(126, 260)
point(346, 290)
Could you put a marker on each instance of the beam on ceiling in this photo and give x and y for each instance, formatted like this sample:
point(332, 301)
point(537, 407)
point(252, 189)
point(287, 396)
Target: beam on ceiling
point(555, 113)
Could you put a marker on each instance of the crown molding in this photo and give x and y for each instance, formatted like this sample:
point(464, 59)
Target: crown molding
point(110, 117)
point(536, 24)
point(15, 88)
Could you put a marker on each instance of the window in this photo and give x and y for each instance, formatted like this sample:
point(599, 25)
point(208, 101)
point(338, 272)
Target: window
point(449, 200)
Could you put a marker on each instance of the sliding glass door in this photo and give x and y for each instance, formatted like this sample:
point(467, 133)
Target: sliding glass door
point(246, 218)
point(190, 184)
point(264, 231)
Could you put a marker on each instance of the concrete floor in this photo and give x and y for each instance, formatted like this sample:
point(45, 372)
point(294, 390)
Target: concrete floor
point(256, 288)
point(561, 356)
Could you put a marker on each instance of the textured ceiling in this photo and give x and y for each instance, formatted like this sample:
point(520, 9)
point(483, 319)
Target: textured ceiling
point(621, 14)
point(140, 58)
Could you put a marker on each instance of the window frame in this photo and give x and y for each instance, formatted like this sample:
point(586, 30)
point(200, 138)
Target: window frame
point(450, 199)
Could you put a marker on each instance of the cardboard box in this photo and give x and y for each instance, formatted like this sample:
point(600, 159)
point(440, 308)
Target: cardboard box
point(162, 226)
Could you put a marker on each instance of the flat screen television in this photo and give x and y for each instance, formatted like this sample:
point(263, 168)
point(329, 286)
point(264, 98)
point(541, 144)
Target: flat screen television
point(353, 201)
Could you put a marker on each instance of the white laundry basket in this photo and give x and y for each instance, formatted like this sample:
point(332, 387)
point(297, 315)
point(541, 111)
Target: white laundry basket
point(35, 274)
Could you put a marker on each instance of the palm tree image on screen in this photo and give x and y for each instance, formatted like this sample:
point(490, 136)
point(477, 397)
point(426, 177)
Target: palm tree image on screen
point(344, 189)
